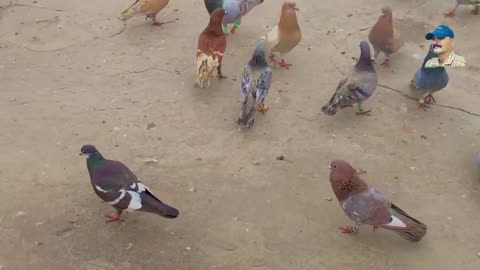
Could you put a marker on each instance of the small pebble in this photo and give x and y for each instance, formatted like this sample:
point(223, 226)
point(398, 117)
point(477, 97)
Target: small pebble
point(329, 199)
point(280, 158)
point(478, 254)
point(20, 213)
point(188, 248)
point(464, 196)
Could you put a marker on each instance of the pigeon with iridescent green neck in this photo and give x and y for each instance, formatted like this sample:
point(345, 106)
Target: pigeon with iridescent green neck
point(115, 184)
point(235, 10)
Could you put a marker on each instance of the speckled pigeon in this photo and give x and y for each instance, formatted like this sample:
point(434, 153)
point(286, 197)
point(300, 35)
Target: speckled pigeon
point(257, 78)
point(114, 183)
point(428, 80)
point(357, 86)
point(365, 205)
point(235, 10)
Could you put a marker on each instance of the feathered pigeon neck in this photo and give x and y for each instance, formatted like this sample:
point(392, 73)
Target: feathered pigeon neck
point(365, 61)
point(288, 20)
point(215, 24)
point(94, 161)
point(258, 58)
point(344, 188)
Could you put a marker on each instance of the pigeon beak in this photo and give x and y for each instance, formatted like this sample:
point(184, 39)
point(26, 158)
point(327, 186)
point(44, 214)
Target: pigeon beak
point(296, 9)
point(80, 154)
point(329, 167)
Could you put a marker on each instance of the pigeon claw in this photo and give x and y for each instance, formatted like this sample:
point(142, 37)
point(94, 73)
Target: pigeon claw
point(348, 229)
point(449, 14)
point(284, 64)
point(233, 31)
point(263, 108)
point(423, 106)
point(367, 112)
point(430, 99)
point(112, 218)
point(386, 64)
point(161, 23)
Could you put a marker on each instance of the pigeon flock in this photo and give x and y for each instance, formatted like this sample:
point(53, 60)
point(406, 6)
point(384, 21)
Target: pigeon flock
point(118, 186)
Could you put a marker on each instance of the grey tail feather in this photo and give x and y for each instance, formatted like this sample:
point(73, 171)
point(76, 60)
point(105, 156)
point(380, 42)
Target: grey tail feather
point(417, 230)
point(167, 211)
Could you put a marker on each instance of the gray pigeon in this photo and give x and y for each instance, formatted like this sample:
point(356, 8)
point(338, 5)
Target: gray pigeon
point(234, 10)
point(428, 80)
point(475, 11)
point(357, 86)
point(114, 183)
point(257, 78)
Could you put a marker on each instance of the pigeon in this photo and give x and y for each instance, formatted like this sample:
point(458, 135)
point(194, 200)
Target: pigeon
point(426, 81)
point(212, 43)
point(356, 87)
point(475, 11)
point(365, 205)
point(149, 8)
point(235, 10)
point(115, 184)
point(384, 38)
point(257, 78)
point(286, 35)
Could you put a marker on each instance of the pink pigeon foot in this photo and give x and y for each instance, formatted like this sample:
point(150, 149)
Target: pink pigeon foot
point(161, 23)
point(449, 14)
point(423, 106)
point(284, 64)
point(348, 229)
point(430, 99)
point(386, 64)
point(233, 31)
point(112, 218)
point(367, 112)
point(375, 228)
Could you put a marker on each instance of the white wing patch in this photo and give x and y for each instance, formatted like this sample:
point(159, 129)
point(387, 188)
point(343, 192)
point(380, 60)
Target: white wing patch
point(141, 187)
point(100, 189)
point(122, 194)
point(396, 222)
point(135, 202)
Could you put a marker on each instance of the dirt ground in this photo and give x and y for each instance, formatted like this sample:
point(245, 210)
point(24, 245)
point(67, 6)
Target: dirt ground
point(72, 74)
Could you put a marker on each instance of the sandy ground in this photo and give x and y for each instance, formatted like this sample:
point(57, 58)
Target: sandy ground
point(72, 74)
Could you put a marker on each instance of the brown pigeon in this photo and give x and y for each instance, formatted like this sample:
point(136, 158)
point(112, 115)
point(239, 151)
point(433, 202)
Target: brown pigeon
point(365, 205)
point(384, 38)
point(212, 43)
point(286, 35)
point(149, 8)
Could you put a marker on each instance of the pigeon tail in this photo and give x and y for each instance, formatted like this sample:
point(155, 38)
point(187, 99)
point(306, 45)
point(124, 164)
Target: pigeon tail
point(167, 211)
point(414, 230)
point(129, 12)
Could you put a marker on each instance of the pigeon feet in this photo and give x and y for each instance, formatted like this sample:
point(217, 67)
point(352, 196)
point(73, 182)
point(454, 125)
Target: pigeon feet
point(375, 228)
point(386, 64)
point(423, 106)
point(284, 64)
point(449, 14)
point(430, 99)
point(348, 229)
point(233, 31)
point(263, 108)
point(367, 112)
point(112, 218)
point(161, 23)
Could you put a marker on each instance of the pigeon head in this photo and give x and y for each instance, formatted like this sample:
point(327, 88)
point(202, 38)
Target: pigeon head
point(365, 61)
point(290, 6)
point(89, 150)
point(344, 179)
point(260, 54)
point(386, 11)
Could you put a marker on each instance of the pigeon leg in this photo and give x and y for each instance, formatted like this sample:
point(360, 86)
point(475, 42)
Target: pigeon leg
point(375, 228)
point(225, 29)
point(263, 108)
point(375, 54)
point(348, 229)
point(429, 99)
point(219, 73)
point(157, 23)
point(449, 14)
point(235, 26)
point(284, 64)
point(386, 63)
point(362, 111)
point(114, 217)
point(422, 104)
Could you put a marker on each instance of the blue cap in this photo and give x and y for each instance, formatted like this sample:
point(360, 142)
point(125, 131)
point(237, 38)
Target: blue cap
point(442, 31)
